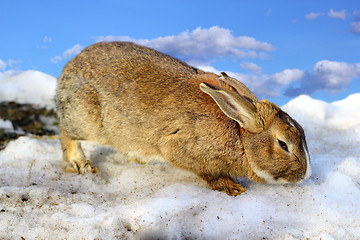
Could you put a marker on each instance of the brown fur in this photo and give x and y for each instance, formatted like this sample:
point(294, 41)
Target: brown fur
point(144, 102)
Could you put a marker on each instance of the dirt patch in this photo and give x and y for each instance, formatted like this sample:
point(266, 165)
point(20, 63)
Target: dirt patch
point(26, 119)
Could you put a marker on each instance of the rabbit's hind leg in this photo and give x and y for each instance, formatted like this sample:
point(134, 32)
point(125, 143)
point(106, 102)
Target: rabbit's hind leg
point(74, 155)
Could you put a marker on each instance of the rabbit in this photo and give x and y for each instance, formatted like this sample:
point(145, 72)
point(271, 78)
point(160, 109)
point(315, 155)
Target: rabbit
point(149, 104)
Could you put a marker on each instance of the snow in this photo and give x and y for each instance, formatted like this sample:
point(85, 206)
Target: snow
point(28, 87)
point(6, 124)
point(129, 200)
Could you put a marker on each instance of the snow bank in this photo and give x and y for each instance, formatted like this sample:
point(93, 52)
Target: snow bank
point(339, 115)
point(6, 124)
point(128, 200)
point(28, 87)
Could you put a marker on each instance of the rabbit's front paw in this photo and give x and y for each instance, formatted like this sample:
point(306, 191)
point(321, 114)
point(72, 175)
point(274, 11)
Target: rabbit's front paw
point(81, 166)
point(226, 185)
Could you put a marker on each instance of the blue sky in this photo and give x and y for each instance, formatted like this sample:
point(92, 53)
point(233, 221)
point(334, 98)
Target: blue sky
point(280, 49)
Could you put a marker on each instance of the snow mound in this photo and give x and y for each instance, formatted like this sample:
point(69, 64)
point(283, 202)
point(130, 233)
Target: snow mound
point(339, 115)
point(128, 200)
point(28, 87)
point(6, 124)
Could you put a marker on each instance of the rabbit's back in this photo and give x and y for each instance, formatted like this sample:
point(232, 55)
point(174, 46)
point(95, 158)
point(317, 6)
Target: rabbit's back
point(115, 59)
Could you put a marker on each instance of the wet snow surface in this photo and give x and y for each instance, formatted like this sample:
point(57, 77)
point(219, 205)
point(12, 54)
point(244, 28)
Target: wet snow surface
point(129, 200)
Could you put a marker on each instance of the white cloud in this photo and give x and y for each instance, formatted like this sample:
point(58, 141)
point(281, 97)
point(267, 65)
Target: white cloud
point(272, 85)
point(355, 27)
point(260, 84)
point(2, 65)
point(329, 76)
point(76, 49)
point(336, 75)
point(341, 14)
point(313, 15)
point(251, 67)
point(56, 59)
point(47, 39)
point(287, 76)
point(10, 63)
point(201, 45)
point(331, 13)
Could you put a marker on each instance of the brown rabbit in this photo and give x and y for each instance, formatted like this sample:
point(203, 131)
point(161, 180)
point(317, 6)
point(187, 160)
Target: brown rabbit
point(143, 102)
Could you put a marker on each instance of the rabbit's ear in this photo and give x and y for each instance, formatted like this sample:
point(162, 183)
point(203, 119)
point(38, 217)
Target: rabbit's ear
point(235, 107)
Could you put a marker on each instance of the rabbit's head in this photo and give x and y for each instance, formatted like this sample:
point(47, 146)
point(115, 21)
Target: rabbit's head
point(274, 144)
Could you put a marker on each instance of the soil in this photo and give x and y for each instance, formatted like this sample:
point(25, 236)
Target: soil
point(26, 119)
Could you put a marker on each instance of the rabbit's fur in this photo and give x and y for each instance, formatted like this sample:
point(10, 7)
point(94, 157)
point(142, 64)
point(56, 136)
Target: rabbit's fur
point(143, 102)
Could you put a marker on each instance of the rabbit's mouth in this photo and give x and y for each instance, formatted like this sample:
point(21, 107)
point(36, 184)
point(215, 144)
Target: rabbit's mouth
point(270, 178)
point(288, 175)
point(294, 176)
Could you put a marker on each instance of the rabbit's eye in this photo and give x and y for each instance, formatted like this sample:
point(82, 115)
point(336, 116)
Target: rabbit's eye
point(283, 145)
